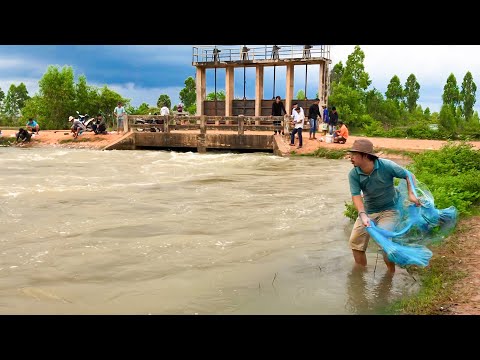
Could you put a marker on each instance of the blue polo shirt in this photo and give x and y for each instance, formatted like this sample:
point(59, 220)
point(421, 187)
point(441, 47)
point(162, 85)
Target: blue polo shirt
point(378, 189)
point(32, 123)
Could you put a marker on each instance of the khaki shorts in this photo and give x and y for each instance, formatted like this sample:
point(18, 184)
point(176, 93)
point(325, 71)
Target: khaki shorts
point(359, 237)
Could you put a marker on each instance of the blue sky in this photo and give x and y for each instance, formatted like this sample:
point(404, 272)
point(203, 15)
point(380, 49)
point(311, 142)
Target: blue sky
point(143, 72)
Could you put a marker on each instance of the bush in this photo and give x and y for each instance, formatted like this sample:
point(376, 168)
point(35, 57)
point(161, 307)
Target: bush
point(451, 174)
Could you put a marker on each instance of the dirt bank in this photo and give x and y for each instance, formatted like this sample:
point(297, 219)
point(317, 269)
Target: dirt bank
point(413, 145)
point(64, 138)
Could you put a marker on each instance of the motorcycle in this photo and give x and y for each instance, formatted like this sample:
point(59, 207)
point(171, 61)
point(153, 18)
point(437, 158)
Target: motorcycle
point(86, 120)
point(149, 121)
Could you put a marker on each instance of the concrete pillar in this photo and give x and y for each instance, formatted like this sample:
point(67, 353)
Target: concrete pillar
point(241, 120)
point(203, 125)
point(327, 83)
point(289, 91)
point(321, 84)
point(259, 90)
point(201, 83)
point(166, 123)
point(229, 90)
point(126, 126)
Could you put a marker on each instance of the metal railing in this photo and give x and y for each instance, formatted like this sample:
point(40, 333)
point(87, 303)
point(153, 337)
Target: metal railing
point(205, 54)
point(239, 124)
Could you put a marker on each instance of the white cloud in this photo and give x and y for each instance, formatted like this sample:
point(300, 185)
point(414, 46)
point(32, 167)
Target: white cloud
point(139, 95)
point(431, 65)
point(16, 63)
point(31, 84)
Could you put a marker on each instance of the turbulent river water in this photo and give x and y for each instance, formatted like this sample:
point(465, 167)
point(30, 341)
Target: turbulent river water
point(155, 232)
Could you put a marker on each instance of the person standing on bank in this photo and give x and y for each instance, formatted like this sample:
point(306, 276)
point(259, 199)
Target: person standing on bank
point(373, 177)
point(298, 120)
point(277, 109)
point(119, 113)
point(333, 121)
point(313, 115)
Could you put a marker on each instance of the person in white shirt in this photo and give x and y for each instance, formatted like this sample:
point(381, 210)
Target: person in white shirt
point(164, 110)
point(294, 107)
point(120, 113)
point(298, 120)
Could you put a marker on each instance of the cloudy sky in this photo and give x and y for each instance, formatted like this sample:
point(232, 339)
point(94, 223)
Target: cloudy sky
point(143, 72)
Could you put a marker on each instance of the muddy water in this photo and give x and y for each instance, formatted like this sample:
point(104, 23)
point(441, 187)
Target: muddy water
point(151, 232)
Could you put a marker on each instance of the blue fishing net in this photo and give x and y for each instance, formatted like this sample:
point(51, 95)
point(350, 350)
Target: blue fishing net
point(416, 227)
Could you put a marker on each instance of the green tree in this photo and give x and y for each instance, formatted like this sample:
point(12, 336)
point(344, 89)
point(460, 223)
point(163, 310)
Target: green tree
point(15, 99)
point(336, 73)
point(107, 101)
point(300, 95)
point(2, 97)
point(143, 109)
point(412, 92)
point(35, 108)
point(467, 95)
point(164, 100)
point(57, 90)
point(394, 90)
point(192, 109)
point(373, 101)
point(354, 74)
point(188, 95)
point(349, 103)
point(86, 97)
point(220, 96)
point(447, 118)
point(451, 94)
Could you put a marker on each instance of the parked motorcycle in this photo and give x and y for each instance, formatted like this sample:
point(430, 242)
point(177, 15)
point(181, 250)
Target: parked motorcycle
point(86, 120)
point(149, 121)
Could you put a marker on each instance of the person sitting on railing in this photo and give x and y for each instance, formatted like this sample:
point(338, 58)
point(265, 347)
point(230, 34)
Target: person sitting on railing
point(277, 109)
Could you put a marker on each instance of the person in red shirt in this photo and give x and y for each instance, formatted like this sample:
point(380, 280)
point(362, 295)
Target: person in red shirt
point(341, 135)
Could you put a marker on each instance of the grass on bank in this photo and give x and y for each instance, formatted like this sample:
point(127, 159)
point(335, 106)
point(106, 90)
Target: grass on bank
point(325, 153)
point(7, 141)
point(342, 153)
point(73, 140)
point(438, 281)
